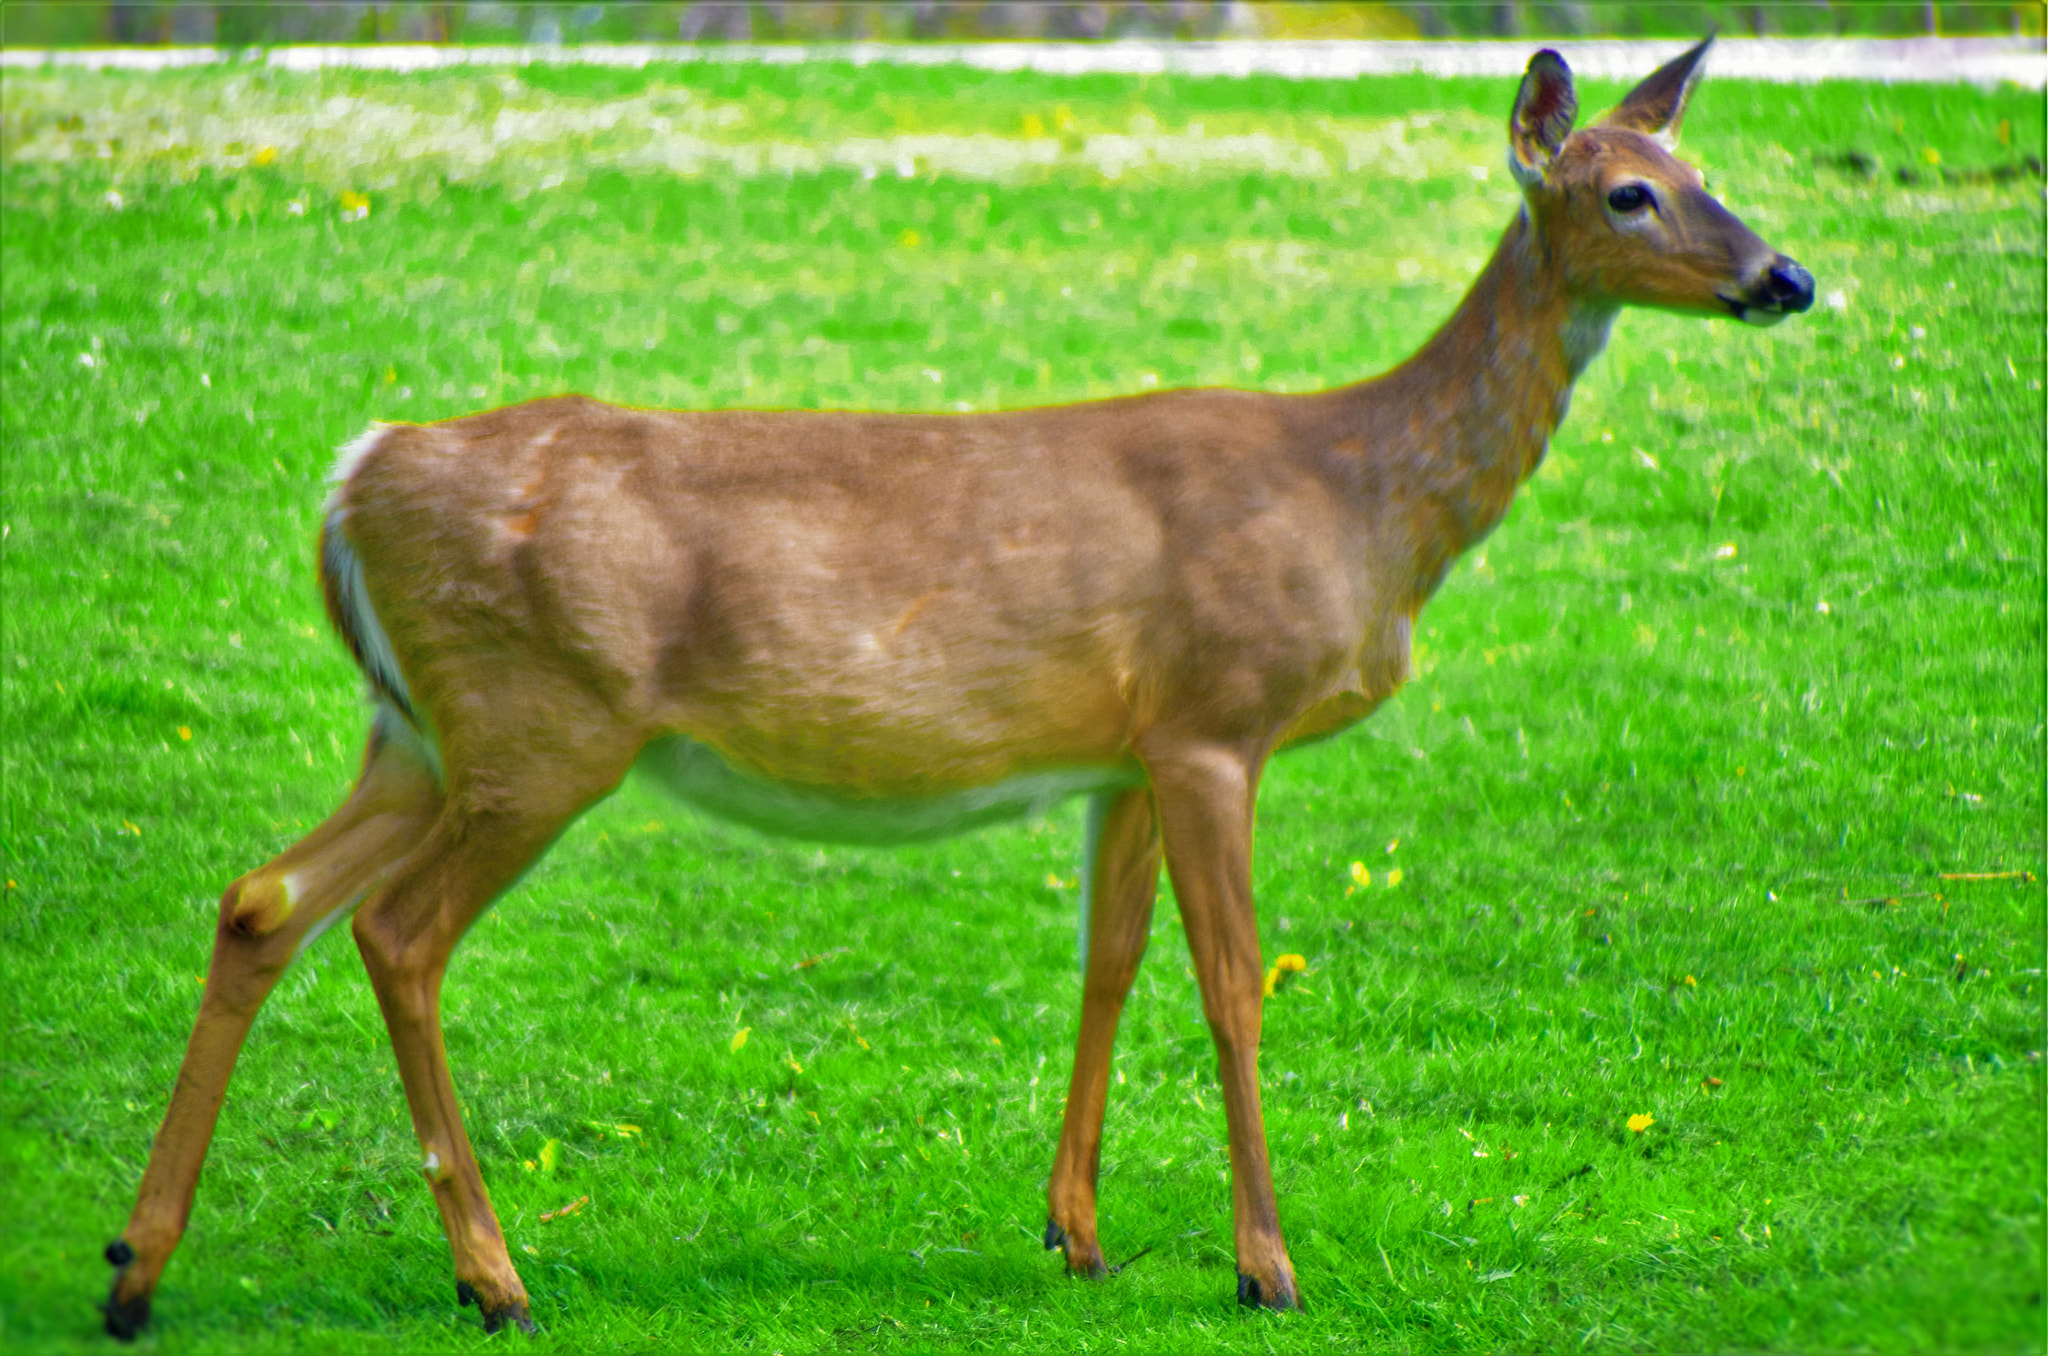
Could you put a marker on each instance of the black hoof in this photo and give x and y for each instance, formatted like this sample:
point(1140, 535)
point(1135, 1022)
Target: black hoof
point(1252, 1295)
point(1055, 1237)
point(494, 1319)
point(126, 1319)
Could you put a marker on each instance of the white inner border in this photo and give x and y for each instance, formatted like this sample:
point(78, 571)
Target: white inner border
point(1977, 61)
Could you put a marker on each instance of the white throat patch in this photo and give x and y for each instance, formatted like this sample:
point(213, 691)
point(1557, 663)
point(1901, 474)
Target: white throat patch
point(1585, 334)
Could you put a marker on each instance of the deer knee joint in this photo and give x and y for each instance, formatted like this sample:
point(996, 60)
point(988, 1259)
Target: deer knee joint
point(257, 904)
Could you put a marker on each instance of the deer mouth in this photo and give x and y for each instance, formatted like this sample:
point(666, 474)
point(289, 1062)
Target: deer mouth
point(1785, 289)
point(1750, 313)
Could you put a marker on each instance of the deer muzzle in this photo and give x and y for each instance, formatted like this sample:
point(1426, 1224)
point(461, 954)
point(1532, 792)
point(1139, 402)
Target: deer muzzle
point(1783, 289)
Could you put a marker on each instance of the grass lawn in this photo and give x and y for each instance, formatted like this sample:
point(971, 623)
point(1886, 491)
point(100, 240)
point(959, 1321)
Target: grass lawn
point(1659, 828)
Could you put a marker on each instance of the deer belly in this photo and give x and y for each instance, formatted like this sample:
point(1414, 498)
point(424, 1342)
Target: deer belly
point(698, 776)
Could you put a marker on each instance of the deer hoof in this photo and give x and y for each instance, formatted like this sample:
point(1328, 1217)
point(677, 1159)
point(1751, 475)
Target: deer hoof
point(125, 1318)
point(495, 1319)
point(1055, 1237)
point(1252, 1294)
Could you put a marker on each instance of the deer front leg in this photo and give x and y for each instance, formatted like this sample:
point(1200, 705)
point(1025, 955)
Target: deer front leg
point(1122, 878)
point(1204, 796)
point(266, 918)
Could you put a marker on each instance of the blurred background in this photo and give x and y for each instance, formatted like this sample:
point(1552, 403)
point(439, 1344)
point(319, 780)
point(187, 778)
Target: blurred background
point(60, 23)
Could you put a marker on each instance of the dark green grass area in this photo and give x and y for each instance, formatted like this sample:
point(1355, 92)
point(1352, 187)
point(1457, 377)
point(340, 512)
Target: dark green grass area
point(1692, 739)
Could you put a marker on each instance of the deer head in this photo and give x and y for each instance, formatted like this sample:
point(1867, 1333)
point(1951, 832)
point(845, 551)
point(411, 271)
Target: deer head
point(1633, 223)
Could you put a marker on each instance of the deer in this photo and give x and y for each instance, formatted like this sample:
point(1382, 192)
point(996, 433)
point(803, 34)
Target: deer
point(876, 628)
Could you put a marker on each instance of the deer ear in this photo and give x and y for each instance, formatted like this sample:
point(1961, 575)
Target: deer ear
point(1545, 107)
point(1655, 107)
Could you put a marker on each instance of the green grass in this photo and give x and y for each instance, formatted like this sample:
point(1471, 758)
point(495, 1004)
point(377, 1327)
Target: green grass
point(1662, 818)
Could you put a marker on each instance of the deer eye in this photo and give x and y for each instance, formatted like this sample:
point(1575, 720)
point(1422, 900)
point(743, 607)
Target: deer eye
point(1629, 198)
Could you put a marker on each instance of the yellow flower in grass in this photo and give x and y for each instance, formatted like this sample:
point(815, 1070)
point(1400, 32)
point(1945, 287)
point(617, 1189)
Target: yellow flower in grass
point(1640, 1122)
point(739, 1038)
point(1289, 964)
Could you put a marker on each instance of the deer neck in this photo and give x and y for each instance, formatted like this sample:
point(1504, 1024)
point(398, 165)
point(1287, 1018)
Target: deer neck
point(1458, 427)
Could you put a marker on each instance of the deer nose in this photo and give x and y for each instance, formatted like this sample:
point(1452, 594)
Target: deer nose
point(1790, 286)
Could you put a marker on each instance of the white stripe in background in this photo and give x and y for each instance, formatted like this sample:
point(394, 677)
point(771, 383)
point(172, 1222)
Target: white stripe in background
point(1978, 61)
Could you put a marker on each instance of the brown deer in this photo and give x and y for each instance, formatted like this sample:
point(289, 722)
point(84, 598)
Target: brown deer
point(875, 627)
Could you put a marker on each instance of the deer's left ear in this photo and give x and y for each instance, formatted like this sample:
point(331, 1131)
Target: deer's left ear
point(1545, 107)
point(1655, 107)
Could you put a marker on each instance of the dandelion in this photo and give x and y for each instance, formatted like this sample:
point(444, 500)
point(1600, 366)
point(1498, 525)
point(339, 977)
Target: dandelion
point(185, 733)
point(264, 156)
point(1360, 876)
point(1640, 1122)
point(1393, 878)
point(739, 1038)
point(1289, 964)
point(354, 206)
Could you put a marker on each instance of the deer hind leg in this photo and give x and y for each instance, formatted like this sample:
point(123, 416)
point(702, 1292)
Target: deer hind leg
point(493, 825)
point(266, 918)
point(1204, 795)
point(1123, 877)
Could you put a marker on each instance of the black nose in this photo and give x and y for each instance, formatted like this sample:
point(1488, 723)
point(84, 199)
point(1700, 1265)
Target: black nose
point(1790, 286)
